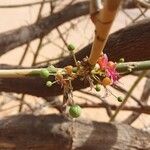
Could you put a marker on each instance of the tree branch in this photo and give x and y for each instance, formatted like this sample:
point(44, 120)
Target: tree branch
point(130, 43)
point(25, 34)
point(136, 109)
point(24, 5)
point(55, 132)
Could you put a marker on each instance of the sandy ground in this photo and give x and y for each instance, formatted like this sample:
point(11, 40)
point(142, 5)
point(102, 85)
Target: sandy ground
point(80, 35)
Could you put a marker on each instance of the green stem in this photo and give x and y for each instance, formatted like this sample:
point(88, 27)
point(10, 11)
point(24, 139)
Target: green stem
point(133, 66)
point(128, 95)
point(121, 68)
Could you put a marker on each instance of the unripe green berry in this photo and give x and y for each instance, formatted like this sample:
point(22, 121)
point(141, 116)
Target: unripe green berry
point(44, 73)
point(49, 83)
point(121, 60)
point(120, 99)
point(70, 47)
point(74, 69)
point(97, 87)
point(75, 111)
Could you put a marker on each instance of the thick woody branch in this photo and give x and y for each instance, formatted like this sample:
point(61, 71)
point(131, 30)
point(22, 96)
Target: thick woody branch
point(54, 132)
point(130, 43)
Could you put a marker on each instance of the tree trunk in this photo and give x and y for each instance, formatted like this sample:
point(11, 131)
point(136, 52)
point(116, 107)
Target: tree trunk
point(53, 132)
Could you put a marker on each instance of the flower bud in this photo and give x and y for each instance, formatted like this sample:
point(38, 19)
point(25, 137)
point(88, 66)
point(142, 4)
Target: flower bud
point(49, 83)
point(44, 73)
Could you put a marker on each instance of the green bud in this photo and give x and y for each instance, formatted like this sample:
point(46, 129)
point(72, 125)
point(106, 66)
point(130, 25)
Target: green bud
point(121, 60)
point(52, 69)
point(75, 111)
point(49, 83)
point(74, 69)
point(120, 99)
point(44, 73)
point(98, 87)
point(71, 47)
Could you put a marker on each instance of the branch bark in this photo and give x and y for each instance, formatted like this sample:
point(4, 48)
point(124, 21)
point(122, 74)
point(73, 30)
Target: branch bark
point(25, 34)
point(131, 43)
point(55, 132)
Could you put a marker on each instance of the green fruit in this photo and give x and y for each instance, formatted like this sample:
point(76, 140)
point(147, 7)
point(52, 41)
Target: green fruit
point(75, 111)
point(75, 69)
point(52, 69)
point(97, 88)
point(44, 73)
point(70, 47)
point(49, 83)
point(121, 60)
point(120, 99)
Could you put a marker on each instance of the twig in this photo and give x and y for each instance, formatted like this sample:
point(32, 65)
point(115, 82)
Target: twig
point(144, 3)
point(120, 89)
point(144, 100)
point(108, 108)
point(121, 67)
point(24, 5)
point(145, 109)
point(127, 96)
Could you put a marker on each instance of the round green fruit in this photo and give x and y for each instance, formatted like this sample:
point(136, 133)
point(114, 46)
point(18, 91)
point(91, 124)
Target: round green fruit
point(75, 69)
point(71, 47)
point(49, 83)
point(44, 73)
point(120, 99)
point(75, 111)
point(97, 87)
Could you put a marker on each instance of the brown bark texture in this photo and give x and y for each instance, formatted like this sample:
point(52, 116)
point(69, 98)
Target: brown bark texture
point(28, 132)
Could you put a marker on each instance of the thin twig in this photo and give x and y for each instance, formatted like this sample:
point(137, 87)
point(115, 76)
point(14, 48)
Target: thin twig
point(128, 95)
point(24, 5)
point(144, 100)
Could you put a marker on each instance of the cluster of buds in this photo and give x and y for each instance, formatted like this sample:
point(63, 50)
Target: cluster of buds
point(102, 74)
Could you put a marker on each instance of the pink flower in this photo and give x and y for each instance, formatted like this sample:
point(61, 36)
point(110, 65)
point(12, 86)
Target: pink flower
point(109, 67)
point(103, 62)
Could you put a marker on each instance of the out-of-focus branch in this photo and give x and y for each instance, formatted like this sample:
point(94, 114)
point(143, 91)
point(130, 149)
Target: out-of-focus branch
point(129, 4)
point(55, 132)
point(143, 100)
point(128, 95)
point(143, 3)
point(131, 43)
point(144, 109)
point(25, 34)
point(24, 5)
point(131, 40)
